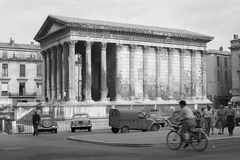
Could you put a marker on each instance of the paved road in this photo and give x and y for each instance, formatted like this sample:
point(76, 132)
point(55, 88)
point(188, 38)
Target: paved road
point(49, 146)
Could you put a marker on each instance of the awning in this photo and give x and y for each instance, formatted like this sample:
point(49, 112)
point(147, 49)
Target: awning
point(235, 99)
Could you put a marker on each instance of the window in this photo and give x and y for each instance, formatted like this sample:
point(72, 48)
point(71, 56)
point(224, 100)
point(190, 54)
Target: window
point(225, 62)
point(218, 61)
point(4, 89)
point(4, 70)
point(218, 75)
point(226, 76)
point(39, 70)
point(5, 54)
point(21, 88)
point(22, 70)
point(39, 89)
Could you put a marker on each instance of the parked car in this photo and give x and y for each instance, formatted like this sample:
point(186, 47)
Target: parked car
point(47, 123)
point(130, 120)
point(172, 118)
point(81, 121)
point(157, 116)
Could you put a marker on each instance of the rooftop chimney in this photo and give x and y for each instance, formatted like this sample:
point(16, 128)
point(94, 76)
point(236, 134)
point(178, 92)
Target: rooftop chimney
point(235, 36)
point(12, 42)
point(221, 48)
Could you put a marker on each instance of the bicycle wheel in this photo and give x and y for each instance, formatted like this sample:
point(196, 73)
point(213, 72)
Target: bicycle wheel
point(174, 140)
point(200, 141)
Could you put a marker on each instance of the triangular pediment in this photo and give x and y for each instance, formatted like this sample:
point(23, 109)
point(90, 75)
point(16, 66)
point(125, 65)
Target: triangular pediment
point(54, 27)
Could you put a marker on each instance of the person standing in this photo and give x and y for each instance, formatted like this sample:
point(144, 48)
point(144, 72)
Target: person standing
point(207, 114)
point(213, 120)
point(221, 119)
point(36, 120)
point(230, 114)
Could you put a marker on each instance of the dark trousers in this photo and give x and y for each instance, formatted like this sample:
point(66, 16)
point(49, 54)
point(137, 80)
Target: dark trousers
point(207, 125)
point(230, 124)
point(35, 129)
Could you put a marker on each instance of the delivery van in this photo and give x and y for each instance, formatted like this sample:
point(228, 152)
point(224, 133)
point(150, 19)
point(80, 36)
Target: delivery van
point(126, 120)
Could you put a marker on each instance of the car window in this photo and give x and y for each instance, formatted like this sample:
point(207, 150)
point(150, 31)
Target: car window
point(46, 117)
point(81, 116)
point(156, 114)
point(140, 115)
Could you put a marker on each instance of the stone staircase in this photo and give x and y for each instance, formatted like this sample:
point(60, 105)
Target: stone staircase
point(26, 118)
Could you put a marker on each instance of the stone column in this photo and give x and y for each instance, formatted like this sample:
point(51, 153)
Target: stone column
point(59, 72)
point(104, 89)
point(170, 72)
point(132, 76)
point(72, 77)
point(65, 71)
point(204, 75)
point(118, 75)
point(43, 76)
point(145, 72)
point(88, 86)
point(182, 73)
point(53, 74)
point(193, 74)
point(48, 75)
point(158, 74)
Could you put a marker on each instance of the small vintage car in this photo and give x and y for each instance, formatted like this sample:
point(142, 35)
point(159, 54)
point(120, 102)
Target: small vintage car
point(81, 121)
point(157, 116)
point(126, 120)
point(47, 123)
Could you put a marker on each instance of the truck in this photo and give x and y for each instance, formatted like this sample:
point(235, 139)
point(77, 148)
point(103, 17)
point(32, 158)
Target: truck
point(126, 120)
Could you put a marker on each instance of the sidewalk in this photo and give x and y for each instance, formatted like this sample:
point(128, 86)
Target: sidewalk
point(140, 139)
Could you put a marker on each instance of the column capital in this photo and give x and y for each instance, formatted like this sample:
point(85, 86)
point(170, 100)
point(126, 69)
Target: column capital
point(170, 50)
point(119, 46)
point(145, 48)
point(88, 44)
point(132, 46)
point(158, 48)
point(103, 45)
point(193, 51)
point(72, 43)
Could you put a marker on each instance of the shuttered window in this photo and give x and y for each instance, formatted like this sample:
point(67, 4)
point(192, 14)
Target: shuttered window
point(39, 70)
point(22, 70)
point(4, 70)
point(5, 54)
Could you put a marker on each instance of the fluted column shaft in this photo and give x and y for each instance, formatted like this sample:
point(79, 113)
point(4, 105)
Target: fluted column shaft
point(104, 89)
point(193, 74)
point(170, 72)
point(158, 75)
point(59, 72)
point(204, 76)
point(132, 76)
point(118, 75)
point(88, 92)
point(43, 76)
point(182, 76)
point(53, 74)
point(72, 82)
point(64, 71)
point(145, 72)
point(48, 76)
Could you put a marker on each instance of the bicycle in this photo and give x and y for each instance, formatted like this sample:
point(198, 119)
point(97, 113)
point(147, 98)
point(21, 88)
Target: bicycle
point(197, 138)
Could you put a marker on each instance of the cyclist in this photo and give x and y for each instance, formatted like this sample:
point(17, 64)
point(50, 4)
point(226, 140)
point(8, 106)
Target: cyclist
point(186, 114)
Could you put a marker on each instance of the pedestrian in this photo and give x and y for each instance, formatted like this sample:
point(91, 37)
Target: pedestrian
point(198, 119)
point(207, 114)
point(202, 118)
point(213, 121)
point(221, 119)
point(36, 120)
point(230, 116)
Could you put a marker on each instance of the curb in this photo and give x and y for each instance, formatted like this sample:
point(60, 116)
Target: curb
point(133, 144)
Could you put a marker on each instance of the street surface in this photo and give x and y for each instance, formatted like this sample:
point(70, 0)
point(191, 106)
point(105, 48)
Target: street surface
point(48, 146)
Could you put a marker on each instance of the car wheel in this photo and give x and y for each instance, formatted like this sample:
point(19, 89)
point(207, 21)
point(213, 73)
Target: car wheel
point(155, 127)
point(115, 130)
point(125, 129)
point(89, 129)
point(72, 129)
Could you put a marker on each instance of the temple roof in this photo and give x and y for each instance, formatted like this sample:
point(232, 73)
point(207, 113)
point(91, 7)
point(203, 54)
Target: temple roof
point(124, 27)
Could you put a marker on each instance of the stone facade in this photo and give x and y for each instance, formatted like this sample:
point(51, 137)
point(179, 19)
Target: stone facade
point(13, 85)
point(121, 63)
point(219, 76)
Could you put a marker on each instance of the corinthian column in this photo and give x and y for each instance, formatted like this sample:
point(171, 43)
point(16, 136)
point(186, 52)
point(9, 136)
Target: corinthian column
point(118, 75)
point(132, 77)
point(59, 72)
point(72, 82)
point(88, 92)
point(104, 89)
point(182, 76)
point(170, 73)
point(145, 72)
point(158, 75)
point(204, 75)
point(48, 76)
point(43, 76)
point(193, 74)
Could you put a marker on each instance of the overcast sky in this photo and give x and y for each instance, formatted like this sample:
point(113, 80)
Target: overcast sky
point(22, 19)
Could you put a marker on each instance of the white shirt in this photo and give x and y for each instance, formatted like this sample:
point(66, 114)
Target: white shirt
point(186, 113)
point(208, 113)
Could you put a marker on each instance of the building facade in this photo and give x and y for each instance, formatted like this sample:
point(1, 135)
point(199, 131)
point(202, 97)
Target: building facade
point(219, 76)
point(114, 64)
point(20, 72)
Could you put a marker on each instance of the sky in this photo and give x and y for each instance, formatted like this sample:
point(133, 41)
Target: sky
point(22, 19)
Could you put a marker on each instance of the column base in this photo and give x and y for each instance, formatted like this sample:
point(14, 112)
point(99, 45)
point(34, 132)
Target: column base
point(73, 100)
point(159, 99)
point(88, 100)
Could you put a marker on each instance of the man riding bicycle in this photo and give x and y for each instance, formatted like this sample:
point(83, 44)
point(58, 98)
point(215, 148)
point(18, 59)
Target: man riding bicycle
point(186, 114)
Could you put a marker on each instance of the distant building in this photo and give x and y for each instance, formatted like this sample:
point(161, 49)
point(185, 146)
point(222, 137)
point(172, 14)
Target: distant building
point(20, 72)
point(219, 76)
point(235, 53)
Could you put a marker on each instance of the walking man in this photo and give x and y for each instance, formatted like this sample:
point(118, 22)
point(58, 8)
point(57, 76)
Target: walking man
point(35, 119)
point(230, 114)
